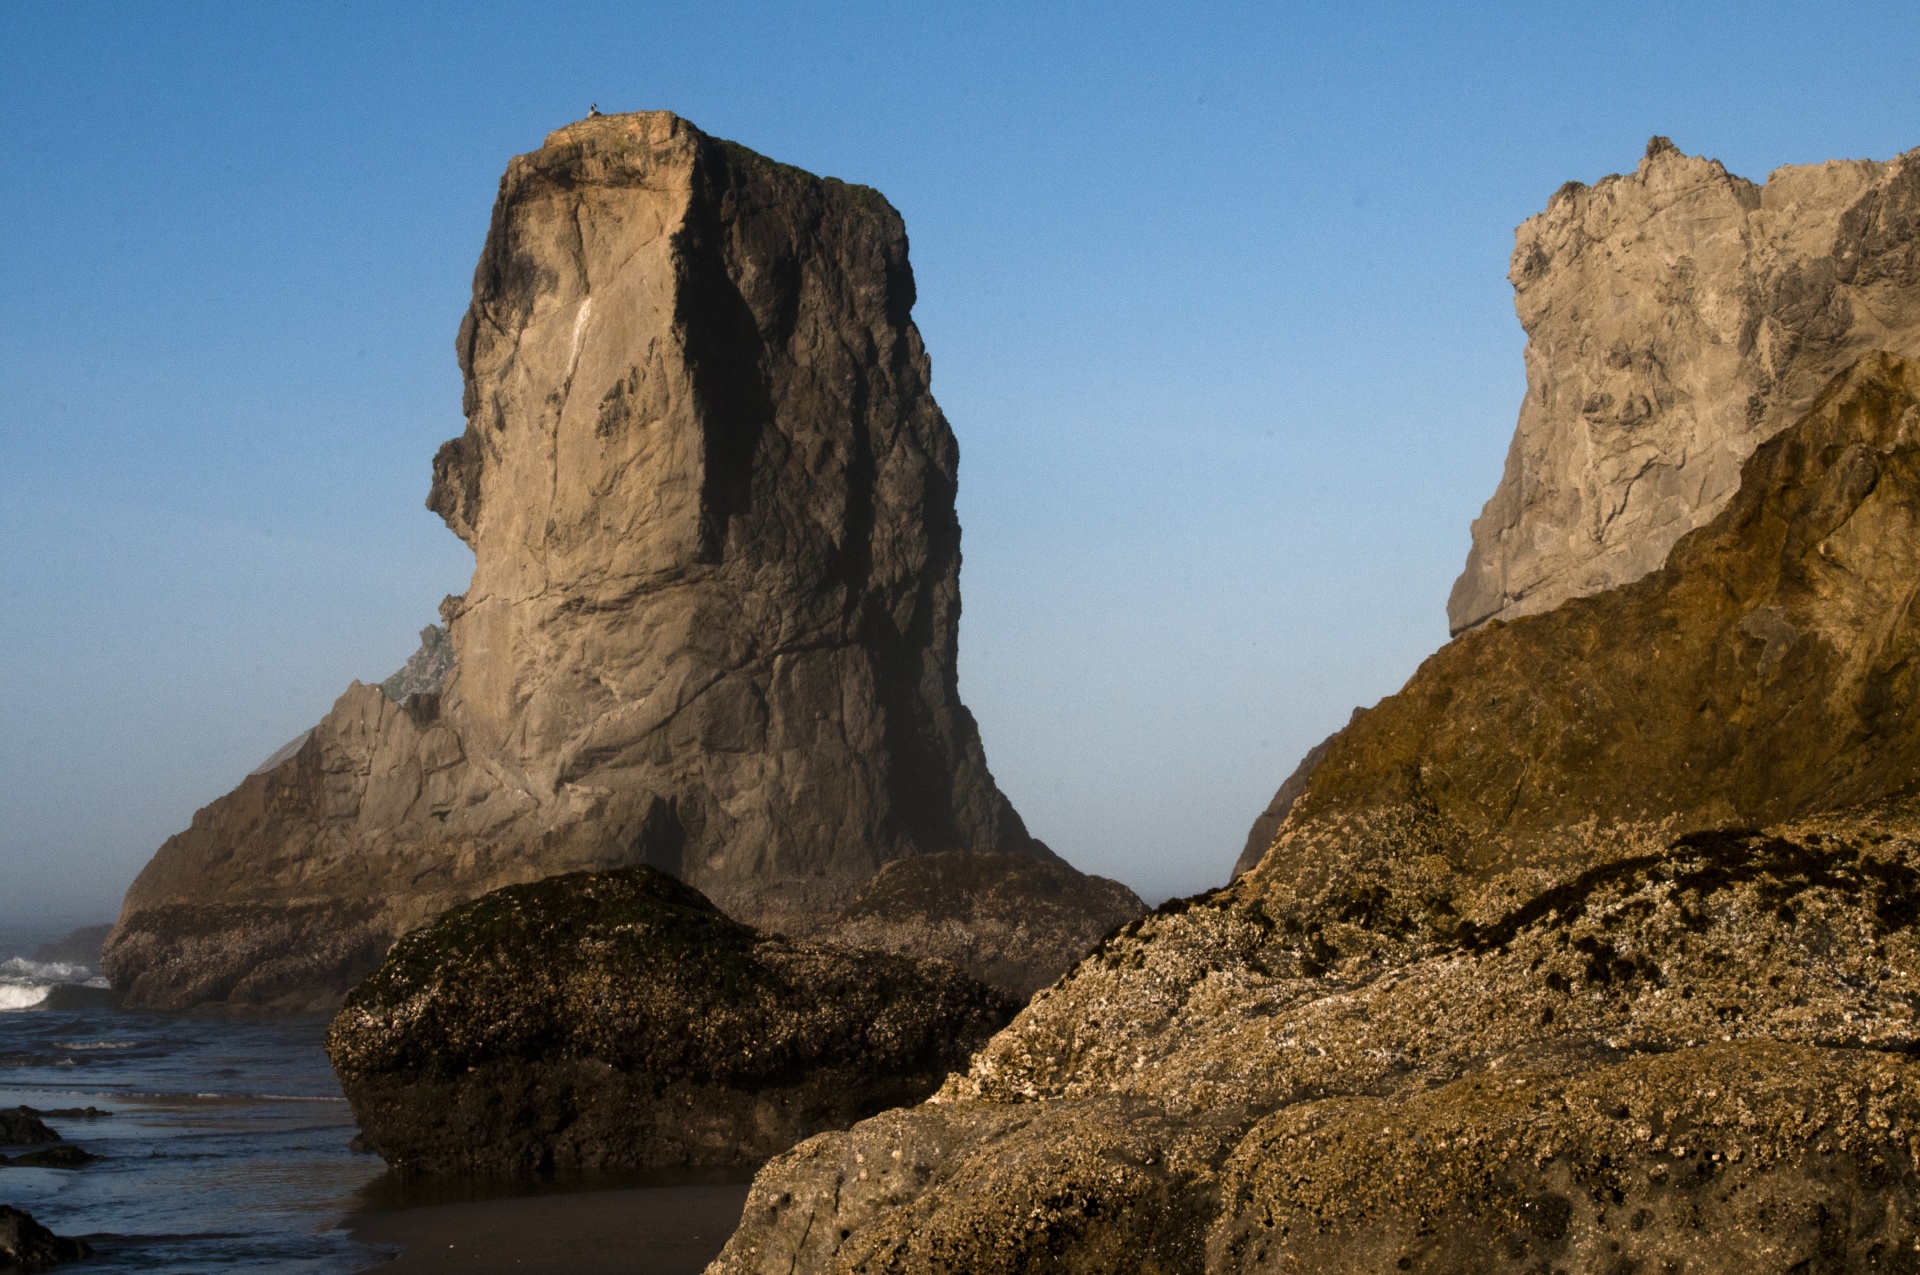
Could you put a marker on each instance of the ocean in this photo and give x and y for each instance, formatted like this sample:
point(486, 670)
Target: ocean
point(228, 1146)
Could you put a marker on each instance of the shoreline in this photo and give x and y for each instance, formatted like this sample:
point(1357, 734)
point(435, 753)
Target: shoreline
point(663, 1230)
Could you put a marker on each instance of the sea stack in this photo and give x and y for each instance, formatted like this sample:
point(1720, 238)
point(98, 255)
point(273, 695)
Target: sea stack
point(714, 607)
point(1592, 950)
point(1677, 317)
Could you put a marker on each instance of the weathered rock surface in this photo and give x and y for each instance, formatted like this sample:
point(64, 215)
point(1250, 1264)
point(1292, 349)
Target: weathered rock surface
point(1013, 920)
point(618, 1019)
point(1677, 317)
point(25, 1245)
point(426, 670)
point(1513, 990)
point(714, 607)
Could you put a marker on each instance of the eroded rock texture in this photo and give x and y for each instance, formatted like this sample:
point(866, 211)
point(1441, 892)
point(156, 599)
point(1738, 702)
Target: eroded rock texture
point(714, 606)
point(1677, 317)
point(619, 1020)
point(1520, 985)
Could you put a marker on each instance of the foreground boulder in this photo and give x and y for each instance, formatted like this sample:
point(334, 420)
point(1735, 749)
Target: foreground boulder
point(1593, 950)
point(25, 1245)
point(1677, 317)
point(713, 619)
point(1016, 921)
point(618, 1019)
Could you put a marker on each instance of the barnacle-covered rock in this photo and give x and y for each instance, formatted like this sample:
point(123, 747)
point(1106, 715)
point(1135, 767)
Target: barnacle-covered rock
point(618, 1019)
point(1593, 950)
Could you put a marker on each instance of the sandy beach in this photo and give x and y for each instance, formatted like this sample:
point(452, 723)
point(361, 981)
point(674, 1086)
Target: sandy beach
point(670, 1230)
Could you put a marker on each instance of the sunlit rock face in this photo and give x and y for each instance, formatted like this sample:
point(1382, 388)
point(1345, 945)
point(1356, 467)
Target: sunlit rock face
point(1593, 950)
point(714, 607)
point(1677, 317)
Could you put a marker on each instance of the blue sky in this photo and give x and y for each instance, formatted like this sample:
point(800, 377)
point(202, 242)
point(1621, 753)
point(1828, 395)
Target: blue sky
point(1215, 296)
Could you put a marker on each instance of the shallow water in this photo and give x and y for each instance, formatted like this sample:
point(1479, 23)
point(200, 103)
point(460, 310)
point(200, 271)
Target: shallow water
point(228, 1144)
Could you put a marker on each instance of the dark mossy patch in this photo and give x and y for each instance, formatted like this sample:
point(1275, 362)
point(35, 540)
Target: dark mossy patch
point(619, 1019)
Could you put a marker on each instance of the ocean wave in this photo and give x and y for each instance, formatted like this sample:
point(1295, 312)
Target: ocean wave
point(20, 969)
point(25, 984)
point(20, 996)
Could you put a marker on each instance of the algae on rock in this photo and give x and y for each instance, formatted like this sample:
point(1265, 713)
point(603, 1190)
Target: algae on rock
point(619, 1020)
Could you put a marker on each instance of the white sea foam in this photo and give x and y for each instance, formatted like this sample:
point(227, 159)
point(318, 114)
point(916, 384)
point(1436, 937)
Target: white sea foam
point(25, 983)
point(16, 996)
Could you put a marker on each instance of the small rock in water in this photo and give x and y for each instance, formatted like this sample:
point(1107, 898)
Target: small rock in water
point(22, 1127)
point(28, 1246)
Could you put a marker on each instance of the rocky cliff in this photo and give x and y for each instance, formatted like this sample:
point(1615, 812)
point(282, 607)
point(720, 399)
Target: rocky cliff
point(1520, 985)
point(1677, 317)
point(714, 606)
point(619, 1020)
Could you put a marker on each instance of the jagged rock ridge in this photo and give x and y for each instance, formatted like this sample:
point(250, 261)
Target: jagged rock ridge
point(1676, 318)
point(715, 599)
point(1518, 987)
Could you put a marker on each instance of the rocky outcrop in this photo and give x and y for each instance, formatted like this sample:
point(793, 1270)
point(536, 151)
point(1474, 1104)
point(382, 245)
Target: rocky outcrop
point(1676, 318)
point(620, 1020)
point(426, 670)
point(1521, 984)
point(714, 607)
point(1015, 921)
point(23, 1127)
point(80, 947)
point(25, 1245)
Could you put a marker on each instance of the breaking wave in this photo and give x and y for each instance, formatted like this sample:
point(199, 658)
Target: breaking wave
point(25, 984)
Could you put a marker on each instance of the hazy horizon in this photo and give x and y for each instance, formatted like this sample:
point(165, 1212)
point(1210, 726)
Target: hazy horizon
point(1216, 304)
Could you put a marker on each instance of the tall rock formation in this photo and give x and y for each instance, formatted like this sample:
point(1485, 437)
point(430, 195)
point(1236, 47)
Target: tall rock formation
point(1676, 318)
point(714, 606)
point(1595, 950)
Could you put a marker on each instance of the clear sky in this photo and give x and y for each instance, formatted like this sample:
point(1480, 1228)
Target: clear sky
point(1215, 295)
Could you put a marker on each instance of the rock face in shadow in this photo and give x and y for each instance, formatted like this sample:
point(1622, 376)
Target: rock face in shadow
point(715, 599)
point(25, 1245)
point(23, 1127)
point(1676, 318)
point(1015, 921)
point(80, 947)
point(1593, 950)
point(619, 1020)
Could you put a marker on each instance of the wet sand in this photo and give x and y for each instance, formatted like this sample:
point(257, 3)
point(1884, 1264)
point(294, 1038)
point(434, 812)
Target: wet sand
point(663, 1230)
